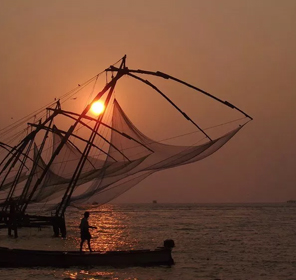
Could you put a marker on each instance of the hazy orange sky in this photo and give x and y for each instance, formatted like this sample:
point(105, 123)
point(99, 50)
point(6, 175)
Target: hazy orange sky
point(241, 51)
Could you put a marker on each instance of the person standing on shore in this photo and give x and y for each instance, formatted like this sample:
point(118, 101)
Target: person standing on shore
point(84, 231)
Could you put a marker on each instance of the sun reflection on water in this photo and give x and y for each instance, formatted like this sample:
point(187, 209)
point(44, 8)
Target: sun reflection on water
point(113, 230)
point(87, 275)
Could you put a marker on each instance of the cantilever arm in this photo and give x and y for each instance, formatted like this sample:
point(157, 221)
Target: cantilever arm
point(68, 113)
point(76, 136)
point(4, 146)
point(170, 101)
point(101, 136)
point(166, 76)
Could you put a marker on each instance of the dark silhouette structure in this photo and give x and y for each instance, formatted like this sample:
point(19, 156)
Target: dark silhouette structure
point(12, 219)
point(47, 165)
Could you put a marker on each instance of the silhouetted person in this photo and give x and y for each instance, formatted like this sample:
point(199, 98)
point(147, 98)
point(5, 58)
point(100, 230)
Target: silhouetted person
point(84, 231)
point(12, 223)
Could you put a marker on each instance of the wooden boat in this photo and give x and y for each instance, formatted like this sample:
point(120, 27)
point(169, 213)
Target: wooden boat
point(31, 258)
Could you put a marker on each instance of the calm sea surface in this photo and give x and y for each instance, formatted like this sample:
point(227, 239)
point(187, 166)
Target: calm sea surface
point(217, 241)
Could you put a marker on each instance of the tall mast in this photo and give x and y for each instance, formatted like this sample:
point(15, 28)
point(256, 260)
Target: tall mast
point(25, 191)
point(110, 86)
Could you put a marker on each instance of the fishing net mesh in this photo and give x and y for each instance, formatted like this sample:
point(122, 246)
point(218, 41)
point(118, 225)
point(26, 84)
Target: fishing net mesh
point(130, 158)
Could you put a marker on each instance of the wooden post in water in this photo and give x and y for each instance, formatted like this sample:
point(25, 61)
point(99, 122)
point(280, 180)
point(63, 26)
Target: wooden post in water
point(12, 219)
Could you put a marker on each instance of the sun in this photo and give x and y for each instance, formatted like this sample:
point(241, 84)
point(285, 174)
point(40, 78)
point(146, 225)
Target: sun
point(97, 108)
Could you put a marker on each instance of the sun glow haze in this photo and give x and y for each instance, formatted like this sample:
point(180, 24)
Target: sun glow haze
point(97, 108)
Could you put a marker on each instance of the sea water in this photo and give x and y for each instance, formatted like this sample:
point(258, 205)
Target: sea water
point(217, 241)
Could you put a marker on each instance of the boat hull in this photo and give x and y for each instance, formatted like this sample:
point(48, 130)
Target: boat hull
point(31, 258)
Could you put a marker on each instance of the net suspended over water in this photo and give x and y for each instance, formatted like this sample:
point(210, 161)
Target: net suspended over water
point(131, 157)
point(73, 174)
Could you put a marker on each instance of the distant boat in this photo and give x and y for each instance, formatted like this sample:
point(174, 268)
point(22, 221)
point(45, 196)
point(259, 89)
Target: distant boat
point(154, 201)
